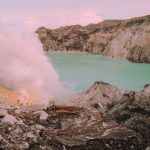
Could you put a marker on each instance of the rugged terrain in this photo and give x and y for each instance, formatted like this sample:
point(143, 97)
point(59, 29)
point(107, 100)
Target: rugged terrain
point(101, 118)
point(124, 38)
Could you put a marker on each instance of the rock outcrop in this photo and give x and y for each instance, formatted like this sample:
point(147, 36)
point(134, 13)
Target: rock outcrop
point(97, 97)
point(124, 38)
point(133, 112)
point(124, 125)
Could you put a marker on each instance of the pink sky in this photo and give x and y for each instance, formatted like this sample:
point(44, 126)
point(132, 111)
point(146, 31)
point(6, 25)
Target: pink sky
point(55, 13)
point(51, 19)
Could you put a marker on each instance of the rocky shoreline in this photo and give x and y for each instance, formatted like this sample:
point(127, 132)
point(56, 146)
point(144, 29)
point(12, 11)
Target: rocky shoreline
point(100, 118)
point(124, 38)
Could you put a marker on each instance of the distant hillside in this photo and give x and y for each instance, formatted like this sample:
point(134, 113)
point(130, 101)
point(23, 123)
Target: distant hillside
point(125, 38)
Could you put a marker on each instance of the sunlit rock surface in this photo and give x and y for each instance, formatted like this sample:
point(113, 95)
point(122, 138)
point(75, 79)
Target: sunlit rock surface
point(97, 97)
point(124, 125)
point(124, 38)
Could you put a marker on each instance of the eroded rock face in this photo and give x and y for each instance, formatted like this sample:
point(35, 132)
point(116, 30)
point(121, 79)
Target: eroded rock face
point(124, 125)
point(133, 112)
point(67, 130)
point(98, 96)
point(124, 38)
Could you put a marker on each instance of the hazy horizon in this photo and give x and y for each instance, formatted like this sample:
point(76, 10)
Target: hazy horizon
point(55, 13)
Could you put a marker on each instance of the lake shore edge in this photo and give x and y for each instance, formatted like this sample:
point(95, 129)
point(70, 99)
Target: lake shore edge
point(124, 38)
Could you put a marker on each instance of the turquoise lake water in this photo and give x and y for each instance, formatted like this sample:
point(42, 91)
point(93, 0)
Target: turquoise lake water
point(80, 70)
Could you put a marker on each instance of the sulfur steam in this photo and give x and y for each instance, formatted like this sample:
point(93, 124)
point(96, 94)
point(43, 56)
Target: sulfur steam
point(25, 69)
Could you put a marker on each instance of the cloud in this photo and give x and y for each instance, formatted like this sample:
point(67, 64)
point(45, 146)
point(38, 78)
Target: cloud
point(52, 20)
point(56, 13)
point(49, 19)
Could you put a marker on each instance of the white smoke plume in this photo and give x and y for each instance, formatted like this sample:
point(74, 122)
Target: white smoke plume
point(24, 67)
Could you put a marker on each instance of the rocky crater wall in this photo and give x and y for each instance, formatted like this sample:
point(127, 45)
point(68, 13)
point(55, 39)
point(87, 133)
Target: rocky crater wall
point(124, 38)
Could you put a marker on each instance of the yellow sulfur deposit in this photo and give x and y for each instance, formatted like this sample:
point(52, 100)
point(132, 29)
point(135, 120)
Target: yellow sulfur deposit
point(14, 98)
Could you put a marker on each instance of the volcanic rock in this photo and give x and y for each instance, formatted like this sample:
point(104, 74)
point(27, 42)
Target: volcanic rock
point(133, 112)
point(124, 125)
point(97, 97)
point(124, 38)
point(3, 112)
point(43, 115)
point(9, 119)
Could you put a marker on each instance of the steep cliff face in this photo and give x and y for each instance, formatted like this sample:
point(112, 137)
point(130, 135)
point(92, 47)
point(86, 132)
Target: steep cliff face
point(124, 38)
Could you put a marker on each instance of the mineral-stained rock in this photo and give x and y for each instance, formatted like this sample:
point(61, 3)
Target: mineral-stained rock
point(43, 115)
point(125, 38)
point(9, 119)
point(98, 96)
point(133, 112)
point(124, 125)
point(115, 138)
point(4, 105)
point(3, 112)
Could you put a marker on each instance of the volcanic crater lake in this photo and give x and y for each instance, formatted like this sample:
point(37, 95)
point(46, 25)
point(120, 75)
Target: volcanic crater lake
point(80, 70)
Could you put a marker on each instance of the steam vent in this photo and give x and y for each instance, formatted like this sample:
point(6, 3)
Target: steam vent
point(101, 118)
point(15, 98)
point(74, 74)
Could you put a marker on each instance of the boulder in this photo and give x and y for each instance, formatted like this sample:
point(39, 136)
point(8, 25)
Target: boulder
point(97, 97)
point(9, 119)
point(43, 116)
